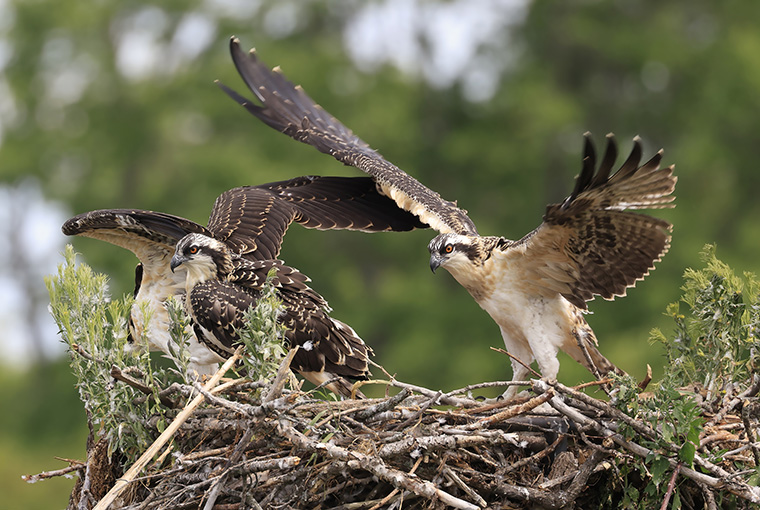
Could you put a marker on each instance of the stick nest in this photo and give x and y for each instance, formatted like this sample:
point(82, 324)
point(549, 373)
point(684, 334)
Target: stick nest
point(255, 445)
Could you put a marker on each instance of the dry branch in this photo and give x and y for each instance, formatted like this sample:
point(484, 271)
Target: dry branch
point(241, 450)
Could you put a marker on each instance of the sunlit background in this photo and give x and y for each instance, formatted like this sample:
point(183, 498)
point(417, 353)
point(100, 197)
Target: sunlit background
point(113, 104)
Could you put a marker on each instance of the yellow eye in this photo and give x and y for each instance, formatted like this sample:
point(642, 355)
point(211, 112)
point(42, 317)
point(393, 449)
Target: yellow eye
point(193, 250)
point(448, 248)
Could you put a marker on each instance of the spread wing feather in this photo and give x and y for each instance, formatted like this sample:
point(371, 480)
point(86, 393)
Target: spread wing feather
point(288, 109)
point(124, 227)
point(150, 235)
point(252, 220)
point(592, 244)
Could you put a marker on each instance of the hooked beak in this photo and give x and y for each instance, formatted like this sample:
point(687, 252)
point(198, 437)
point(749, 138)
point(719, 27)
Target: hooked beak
point(435, 261)
point(177, 260)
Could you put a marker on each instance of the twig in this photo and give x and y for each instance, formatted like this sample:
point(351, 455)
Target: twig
point(117, 374)
point(549, 484)
point(709, 498)
point(441, 442)
point(579, 482)
point(671, 486)
point(395, 491)
point(746, 406)
point(75, 466)
point(590, 384)
point(512, 411)
point(751, 494)
point(753, 389)
point(636, 425)
point(647, 379)
point(528, 367)
point(492, 384)
point(86, 355)
point(275, 390)
point(444, 399)
point(374, 465)
point(525, 461)
point(451, 475)
point(213, 493)
point(383, 405)
point(122, 482)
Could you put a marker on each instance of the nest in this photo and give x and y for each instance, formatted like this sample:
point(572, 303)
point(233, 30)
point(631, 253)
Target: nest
point(259, 445)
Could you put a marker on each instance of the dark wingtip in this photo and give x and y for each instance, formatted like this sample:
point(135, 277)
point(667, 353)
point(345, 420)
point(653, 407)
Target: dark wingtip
point(608, 161)
point(588, 146)
point(67, 228)
point(72, 227)
point(631, 164)
point(237, 52)
point(587, 171)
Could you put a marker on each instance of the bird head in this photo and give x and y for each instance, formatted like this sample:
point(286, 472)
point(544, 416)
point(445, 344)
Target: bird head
point(204, 257)
point(451, 251)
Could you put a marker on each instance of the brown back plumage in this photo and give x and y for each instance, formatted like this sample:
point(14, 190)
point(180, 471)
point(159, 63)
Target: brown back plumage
point(327, 345)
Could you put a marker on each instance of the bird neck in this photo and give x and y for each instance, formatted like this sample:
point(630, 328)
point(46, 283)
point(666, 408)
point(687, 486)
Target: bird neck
point(471, 276)
point(200, 271)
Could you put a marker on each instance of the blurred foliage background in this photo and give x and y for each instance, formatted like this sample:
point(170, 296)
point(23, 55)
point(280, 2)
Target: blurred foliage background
point(112, 104)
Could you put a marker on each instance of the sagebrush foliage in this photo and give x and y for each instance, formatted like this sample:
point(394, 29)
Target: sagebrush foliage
point(712, 353)
point(715, 341)
point(95, 328)
point(263, 336)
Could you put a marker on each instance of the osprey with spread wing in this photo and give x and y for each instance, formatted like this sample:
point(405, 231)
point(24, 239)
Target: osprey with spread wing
point(244, 235)
point(536, 288)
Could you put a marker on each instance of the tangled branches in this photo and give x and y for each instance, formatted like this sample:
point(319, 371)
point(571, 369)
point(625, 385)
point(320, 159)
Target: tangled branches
point(555, 448)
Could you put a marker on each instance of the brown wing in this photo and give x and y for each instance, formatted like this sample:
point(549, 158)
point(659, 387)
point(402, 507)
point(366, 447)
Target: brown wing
point(252, 220)
point(592, 244)
point(289, 110)
point(327, 345)
point(150, 235)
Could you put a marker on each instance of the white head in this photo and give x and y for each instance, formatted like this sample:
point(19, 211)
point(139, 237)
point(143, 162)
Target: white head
point(453, 251)
point(203, 257)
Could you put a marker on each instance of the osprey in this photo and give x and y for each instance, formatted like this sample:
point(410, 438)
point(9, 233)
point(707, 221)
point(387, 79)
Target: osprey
point(535, 288)
point(221, 286)
point(246, 225)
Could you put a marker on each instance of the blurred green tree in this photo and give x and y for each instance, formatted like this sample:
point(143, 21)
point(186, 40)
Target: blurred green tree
point(112, 104)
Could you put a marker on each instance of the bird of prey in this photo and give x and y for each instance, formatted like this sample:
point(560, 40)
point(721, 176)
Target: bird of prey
point(535, 288)
point(247, 225)
point(221, 286)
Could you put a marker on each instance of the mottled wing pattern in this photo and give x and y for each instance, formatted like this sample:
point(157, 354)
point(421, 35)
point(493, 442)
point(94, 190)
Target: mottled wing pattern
point(326, 344)
point(288, 109)
point(252, 220)
point(150, 235)
point(217, 309)
point(592, 244)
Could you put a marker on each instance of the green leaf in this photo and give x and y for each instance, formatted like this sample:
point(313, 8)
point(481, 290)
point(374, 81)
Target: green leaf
point(686, 453)
point(658, 469)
